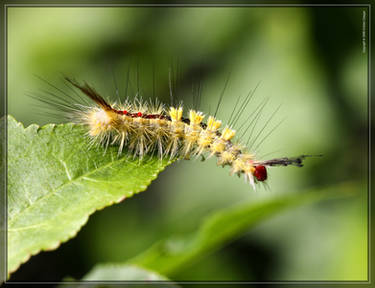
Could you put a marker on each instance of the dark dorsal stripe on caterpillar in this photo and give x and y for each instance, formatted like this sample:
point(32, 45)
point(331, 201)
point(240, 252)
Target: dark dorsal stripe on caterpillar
point(147, 128)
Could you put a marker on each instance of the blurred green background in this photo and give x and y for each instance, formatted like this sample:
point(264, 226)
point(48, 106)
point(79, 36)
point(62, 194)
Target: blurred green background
point(308, 60)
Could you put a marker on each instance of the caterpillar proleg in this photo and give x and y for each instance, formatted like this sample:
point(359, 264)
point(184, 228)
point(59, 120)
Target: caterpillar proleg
point(146, 127)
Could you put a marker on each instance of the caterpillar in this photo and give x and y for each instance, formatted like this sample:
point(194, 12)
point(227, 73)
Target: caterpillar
point(146, 127)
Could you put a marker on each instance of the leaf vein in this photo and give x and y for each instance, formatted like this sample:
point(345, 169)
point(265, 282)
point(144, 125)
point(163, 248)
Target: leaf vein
point(11, 221)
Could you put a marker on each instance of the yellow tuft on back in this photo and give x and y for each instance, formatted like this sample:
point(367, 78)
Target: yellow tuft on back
point(195, 117)
point(228, 134)
point(208, 135)
point(175, 114)
point(213, 124)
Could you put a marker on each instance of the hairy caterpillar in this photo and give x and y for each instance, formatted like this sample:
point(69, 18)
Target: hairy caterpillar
point(146, 127)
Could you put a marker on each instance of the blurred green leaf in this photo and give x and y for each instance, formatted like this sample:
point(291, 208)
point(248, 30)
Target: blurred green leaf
point(102, 272)
point(55, 182)
point(175, 253)
point(113, 272)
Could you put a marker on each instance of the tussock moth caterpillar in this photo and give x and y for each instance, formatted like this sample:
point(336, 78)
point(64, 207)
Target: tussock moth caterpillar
point(146, 127)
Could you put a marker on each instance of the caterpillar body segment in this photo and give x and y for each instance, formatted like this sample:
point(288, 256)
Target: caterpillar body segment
point(145, 127)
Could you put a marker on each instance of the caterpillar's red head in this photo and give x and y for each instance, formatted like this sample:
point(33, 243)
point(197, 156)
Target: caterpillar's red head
point(260, 173)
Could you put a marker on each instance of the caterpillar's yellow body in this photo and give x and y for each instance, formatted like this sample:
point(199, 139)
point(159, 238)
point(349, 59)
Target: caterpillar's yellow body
point(143, 128)
point(168, 134)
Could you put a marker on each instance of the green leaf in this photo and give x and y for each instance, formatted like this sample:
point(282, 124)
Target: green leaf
point(55, 181)
point(175, 253)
